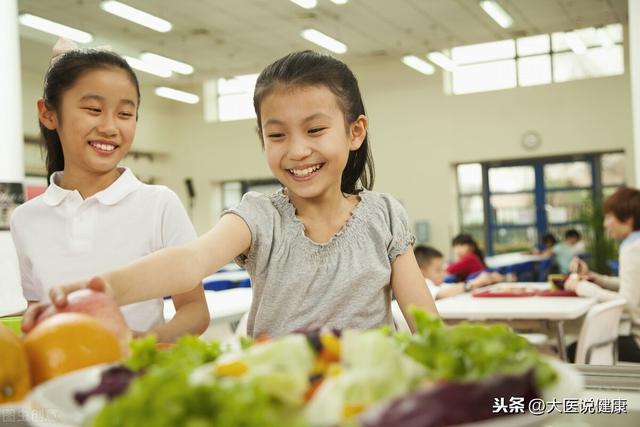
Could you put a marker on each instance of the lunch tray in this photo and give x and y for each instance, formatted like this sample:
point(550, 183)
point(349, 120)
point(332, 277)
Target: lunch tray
point(506, 294)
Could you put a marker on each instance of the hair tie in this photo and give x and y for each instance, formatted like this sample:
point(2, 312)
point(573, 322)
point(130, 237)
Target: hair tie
point(64, 45)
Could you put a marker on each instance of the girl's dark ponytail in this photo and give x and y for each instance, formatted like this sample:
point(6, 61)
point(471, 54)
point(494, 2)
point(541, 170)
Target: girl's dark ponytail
point(54, 159)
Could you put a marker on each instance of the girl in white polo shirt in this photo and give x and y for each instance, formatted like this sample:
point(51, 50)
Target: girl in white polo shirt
point(96, 216)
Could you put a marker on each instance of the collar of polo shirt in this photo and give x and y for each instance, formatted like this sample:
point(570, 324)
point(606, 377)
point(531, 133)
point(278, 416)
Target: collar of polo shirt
point(121, 187)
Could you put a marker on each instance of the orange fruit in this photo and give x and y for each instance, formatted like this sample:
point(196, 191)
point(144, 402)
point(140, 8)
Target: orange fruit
point(66, 342)
point(15, 380)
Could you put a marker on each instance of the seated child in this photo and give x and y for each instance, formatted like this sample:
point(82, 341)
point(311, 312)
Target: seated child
point(431, 263)
point(469, 257)
point(564, 251)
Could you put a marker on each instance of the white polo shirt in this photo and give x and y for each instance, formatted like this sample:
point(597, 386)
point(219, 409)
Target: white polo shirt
point(61, 238)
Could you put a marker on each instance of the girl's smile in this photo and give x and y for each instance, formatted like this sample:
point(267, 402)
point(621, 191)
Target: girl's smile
point(103, 148)
point(305, 172)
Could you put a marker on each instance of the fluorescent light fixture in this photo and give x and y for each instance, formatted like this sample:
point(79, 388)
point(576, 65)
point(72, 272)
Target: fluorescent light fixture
point(148, 68)
point(340, 2)
point(136, 15)
point(441, 60)
point(418, 64)
point(54, 28)
point(307, 4)
point(321, 39)
point(604, 38)
point(575, 42)
point(497, 13)
point(163, 61)
point(177, 95)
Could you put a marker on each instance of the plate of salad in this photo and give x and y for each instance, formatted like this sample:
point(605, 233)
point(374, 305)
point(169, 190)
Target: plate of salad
point(467, 374)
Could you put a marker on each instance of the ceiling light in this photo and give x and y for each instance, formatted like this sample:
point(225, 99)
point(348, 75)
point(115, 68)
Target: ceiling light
point(321, 39)
point(136, 15)
point(418, 64)
point(163, 61)
point(148, 67)
point(441, 60)
point(307, 4)
point(604, 38)
point(177, 95)
point(497, 13)
point(54, 28)
point(339, 1)
point(575, 42)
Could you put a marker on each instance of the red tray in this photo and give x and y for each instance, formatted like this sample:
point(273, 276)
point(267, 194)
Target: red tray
point(556, 293)
point(490, 294)
point(506, 294)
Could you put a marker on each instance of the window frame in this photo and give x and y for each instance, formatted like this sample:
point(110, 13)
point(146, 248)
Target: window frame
point(540, 191)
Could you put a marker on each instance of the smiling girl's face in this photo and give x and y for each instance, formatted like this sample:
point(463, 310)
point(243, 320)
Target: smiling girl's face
point(96, 121)
point(306, 140)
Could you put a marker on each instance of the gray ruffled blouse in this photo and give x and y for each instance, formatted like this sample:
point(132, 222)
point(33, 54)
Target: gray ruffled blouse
point(299, 284)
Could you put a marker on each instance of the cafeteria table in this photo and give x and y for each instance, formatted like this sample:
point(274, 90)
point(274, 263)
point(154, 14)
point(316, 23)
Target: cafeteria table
point(536, 312)
point(225, 310)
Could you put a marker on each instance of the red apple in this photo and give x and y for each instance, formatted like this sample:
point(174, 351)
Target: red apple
point(98, 305)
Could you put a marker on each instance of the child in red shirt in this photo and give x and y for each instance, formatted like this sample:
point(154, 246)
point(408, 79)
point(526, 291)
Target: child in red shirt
point(469, 257)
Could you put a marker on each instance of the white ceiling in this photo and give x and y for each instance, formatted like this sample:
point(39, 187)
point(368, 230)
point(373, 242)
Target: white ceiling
point(221, 38)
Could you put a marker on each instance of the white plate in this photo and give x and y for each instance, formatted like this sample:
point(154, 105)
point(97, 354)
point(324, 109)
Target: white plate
point(51, 403)
point(55, 400)
point(570, 385)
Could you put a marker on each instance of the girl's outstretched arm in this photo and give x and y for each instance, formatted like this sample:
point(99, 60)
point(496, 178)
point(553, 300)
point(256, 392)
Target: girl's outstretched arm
point(409, 287)
point(173, 270)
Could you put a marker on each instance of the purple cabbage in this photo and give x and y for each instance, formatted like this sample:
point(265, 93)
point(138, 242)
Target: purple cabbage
point(452, 403)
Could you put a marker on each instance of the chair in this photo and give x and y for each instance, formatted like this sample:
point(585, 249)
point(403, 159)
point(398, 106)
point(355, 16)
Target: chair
point(544, 267)
point(597, 342)
point(398, 318)
point(614, 266)
point(218, 285)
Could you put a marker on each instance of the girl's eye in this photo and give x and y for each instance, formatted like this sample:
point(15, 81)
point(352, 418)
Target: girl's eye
point(316, 130)
point(126, 114)
point(93, 110)
point(275, 135)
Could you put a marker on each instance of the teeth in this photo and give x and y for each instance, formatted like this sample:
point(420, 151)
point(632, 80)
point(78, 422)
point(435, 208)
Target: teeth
point(305, 172)
point(103, 147)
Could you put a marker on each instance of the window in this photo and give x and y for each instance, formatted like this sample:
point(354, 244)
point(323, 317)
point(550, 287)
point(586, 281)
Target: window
point(230, 99)
point(613, 173)
point(470, 202)
point(508, 205)
point(537, 60)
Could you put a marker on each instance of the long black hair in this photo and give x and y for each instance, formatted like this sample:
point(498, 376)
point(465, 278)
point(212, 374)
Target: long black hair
point(60, 77)
point(467, 239)
point(308, 68)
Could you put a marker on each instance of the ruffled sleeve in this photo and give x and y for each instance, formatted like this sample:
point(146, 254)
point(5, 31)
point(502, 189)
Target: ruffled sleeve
point(258, 212)
point(398, 221)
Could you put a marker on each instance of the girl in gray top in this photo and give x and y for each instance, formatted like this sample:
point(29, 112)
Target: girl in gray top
point(320, 252)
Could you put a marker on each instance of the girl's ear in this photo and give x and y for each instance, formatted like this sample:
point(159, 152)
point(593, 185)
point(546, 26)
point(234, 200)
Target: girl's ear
point(358, 132)
point(47, 117)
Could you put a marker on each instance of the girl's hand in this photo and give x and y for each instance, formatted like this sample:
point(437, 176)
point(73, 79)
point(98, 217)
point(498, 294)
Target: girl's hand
point(31, 314)
point(59, 294)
